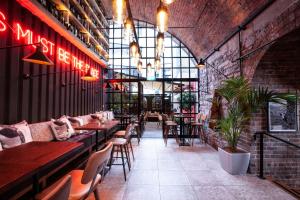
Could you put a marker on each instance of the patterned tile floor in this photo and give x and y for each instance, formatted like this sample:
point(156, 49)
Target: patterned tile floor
point(182, 173)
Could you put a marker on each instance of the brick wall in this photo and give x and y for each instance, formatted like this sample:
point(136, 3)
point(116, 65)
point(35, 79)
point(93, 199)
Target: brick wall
point(270, 66)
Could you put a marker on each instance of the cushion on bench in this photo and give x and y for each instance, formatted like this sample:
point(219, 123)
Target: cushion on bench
point(41, 131)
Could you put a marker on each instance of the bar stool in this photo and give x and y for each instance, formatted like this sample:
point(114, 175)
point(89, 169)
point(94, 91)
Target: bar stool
point(197, 129)
point(169, 126)
point(122, 145)
point(86, 181)
point(122, 134)
point(58, 191)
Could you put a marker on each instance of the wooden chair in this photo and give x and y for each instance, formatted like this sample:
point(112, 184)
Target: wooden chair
point(169, 126)
point(58, 191)
point(197, 128)
point(122, 144)
point(86, 181)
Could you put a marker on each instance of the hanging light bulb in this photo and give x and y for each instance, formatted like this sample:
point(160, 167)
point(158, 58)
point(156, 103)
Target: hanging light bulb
point(157, 64)
point(162, 16)
point(140, 66)
point(201, 64)
point(128, 29)
point(159, 44)
point(119, 10)
point(167, 2)
point(133, 47)
point(149, 66)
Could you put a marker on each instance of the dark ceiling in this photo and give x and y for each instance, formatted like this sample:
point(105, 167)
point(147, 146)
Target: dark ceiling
point(211, 20)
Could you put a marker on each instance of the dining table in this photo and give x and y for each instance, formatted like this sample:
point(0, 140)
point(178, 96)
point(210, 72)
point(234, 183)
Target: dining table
point(181, 118)
point(28, 164)
point(99, 126)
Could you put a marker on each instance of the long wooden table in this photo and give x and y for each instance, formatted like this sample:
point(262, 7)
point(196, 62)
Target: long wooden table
point(105, 127)
point(28, 163)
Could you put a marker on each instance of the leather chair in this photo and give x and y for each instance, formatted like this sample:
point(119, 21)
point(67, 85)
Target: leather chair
point(86, 181)
point(58, 191)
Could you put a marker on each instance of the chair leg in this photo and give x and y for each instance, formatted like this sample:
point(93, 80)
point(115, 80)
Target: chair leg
point(96, 194)
point(192, 134)
point(175, 133)
point(165, 135)
point(111, 157)
point(131, 149)
point(123, 163)
point(127, 154)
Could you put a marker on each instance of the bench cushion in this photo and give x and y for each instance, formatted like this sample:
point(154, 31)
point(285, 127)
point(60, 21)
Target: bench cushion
point(41, 131)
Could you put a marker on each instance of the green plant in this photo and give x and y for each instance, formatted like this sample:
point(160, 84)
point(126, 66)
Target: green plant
point(187, 100)
point(241, 101)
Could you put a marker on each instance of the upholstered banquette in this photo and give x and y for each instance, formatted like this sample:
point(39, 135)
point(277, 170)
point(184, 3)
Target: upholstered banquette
point(44, 131)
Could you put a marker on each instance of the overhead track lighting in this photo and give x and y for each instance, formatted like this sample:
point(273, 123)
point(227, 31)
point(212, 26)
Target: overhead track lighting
point(159, 44)
point(201, 64)
point(162, 17)
point(119, 11)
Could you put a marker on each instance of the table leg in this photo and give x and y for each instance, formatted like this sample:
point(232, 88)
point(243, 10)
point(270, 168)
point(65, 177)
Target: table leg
point(182, 142)
point(97, 138)
point(35, 185)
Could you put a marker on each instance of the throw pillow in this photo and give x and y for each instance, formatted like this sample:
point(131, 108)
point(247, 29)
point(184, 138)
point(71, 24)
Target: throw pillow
point(76, 122)
point(24, 128)
point(65, 119)
point(10, 137)
point(60, 130)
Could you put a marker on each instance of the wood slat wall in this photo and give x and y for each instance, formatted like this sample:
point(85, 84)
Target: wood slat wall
point(41, 98)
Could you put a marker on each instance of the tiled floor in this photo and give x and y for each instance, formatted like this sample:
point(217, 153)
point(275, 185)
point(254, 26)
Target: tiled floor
point(182, 173)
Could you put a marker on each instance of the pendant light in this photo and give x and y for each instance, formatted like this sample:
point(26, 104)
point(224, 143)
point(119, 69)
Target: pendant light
point(201, 64)
point(139, 66)
point(128, 29)
point(119, 11)
point(107, 86)
point(133, 47)
point(88, 76)
point(117, 87)
point(149, 66)
point(162, 16)
point(159, 44)
point(157, 64)
point(167, 2)
point(38, 57)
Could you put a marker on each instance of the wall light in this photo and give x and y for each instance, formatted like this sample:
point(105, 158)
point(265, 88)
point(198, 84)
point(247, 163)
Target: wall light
point(167, 2)
point(88, 76)
point(201, 64)
point(128, 29)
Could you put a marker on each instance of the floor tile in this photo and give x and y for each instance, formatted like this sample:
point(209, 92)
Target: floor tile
point(177, 193)
point(173, 177)
point(142, 192)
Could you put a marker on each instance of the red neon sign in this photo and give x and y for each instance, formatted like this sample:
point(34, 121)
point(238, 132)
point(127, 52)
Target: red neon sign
point(2, 23)
point(28, 36)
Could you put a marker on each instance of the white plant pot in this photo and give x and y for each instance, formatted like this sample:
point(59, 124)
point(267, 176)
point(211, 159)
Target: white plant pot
point(234, 163)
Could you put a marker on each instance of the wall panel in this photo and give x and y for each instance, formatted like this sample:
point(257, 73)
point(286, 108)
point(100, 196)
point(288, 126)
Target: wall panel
point(44, 97)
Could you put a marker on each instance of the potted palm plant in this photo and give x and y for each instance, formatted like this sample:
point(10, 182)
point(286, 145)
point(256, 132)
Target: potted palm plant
point(241, 100)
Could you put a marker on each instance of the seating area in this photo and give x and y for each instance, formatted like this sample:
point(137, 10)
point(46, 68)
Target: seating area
point(149, 99)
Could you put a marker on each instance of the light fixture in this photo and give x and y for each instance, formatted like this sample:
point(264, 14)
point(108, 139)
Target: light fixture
point(38, 57)
point(117, 87)
point(128, 29)
point(119, 10)
point(157, 64)
point(88, 76)
point(162, 16)
point(133, 47)
point(167, 2)
point(140, 66)
point(159, 44)
point(149, 66)
point(201, 64)
point(107, 86)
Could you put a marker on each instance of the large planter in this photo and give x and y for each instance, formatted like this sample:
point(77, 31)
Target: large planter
point(234, 163)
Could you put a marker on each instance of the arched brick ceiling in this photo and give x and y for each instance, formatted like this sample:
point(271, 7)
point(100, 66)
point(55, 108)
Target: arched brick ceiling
point(212, 20)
